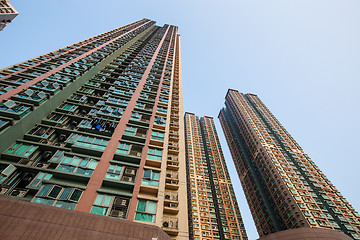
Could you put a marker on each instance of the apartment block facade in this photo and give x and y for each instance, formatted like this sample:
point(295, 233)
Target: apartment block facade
point(7, 13)
point(213, 210)
point(283, 186)
point(95, 127)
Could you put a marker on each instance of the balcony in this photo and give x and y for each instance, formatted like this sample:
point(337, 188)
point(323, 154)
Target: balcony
point(30, 96)
point(172, 165)
point(172, 181)
point(170, 226)
point(173, 147)
point(9, 108)
point(171, 202)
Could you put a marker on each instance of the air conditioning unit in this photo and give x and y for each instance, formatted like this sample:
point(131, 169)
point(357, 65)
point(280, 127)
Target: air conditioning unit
point(173, 182)
point(130, 171)
point(42, 165)
point(117, 214)
point(173, 205)
point(25, 161)
point(3, 190)
point(119, 202)
point(127, 179)
point(46, 155)
point(18, 193)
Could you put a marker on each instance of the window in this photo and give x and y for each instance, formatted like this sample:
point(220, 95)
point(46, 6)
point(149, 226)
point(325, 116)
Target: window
point(87, 142)
point(117, 101)
point(135, 116)
point(157, 135)
point(101, 204)
point(130, 131)
point(107, 110)
point(70, 107)
point(311, 221)
point(112, 206)
point(163, 100)
point(145, 211)
point(123, 148)
point(40, 131)
point(114, 172)
point(78, 165)
point(21, 149)
point(150, 178)
point(37, 181)
point(166, 92)
point(160, 121)
point(140, 105)
point(154, 154)
point(162, 109)
point(6, 172)
point(54, 195)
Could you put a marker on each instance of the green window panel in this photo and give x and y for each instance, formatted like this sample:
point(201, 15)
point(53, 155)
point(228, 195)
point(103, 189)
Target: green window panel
point(154, 154)
point(145, 211)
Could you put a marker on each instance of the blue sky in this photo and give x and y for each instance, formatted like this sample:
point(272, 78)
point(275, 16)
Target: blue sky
point(300, 57)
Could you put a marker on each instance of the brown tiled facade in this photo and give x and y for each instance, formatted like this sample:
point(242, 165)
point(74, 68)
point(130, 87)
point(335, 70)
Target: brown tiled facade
point(7, 13)
point(307, 234)
point(95, 127)
point(213, 209)
point(283, 186)
point(24, 220)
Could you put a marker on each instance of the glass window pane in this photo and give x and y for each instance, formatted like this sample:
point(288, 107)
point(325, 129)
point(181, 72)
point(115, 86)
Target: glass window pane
point(21, 150)
point(82, 144)
point(65, 194)
point(67, 160)
point(145, 217)
point(118, 169)
point(76, 195)
point(75, 161)
point(65, 168)
point(99, 210)
point(99, 199)
point(81, 171)
point(83, 163)
point(12, 148)
point(107, 201)
point(111, 168)
point(40, 175)
point(48, 176)
point(55, 192)
point(141, 206)
point(67, 205)
point(98, 147)
point(92, 164)
point(155, 176)
point(44, 190)
point(147, 173)
point(112, 176)
point(44, 201)
point(151, 207)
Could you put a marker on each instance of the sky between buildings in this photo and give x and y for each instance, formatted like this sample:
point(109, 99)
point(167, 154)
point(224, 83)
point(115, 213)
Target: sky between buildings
point(301, 57)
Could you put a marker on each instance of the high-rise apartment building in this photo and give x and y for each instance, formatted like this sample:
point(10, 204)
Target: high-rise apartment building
point(7, 13)
point(283, 186)
point(213, 210)
point(96, 127)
